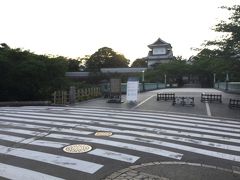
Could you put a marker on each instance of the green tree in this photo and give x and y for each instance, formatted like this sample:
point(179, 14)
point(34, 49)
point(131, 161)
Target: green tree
point(220, 56)
point(174, 71)
point(27, 76)
point(73, 65)
point(141, 62)
point(105, 58)
point(229, 45)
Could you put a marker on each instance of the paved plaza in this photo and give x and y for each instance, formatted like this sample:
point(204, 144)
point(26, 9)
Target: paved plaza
point(147, 102)
point(148, 139)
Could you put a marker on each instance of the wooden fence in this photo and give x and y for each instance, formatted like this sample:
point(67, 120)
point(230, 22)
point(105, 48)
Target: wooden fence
point(64, 97)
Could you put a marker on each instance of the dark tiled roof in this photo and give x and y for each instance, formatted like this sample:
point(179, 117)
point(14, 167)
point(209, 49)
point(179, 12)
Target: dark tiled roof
point(159, 42)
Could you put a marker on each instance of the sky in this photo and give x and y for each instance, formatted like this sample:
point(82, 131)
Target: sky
point(75, 28)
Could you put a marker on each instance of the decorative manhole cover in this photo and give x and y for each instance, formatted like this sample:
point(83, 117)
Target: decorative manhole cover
point(103, 133)
point(77, 148)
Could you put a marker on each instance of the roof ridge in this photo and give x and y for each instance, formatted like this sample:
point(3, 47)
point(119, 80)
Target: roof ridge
point(159, 41)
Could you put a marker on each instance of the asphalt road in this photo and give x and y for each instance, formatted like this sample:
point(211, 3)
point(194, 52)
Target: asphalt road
point(147, 102)
point(33, 138)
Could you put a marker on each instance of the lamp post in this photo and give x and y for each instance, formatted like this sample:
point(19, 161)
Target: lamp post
point(143, 76)
point(143, 81)
point(227, 79)
point(165, 80)
point(214, 79)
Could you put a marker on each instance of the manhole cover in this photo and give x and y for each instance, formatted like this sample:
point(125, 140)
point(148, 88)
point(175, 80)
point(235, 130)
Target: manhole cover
point(77, 148)
point(103, 133)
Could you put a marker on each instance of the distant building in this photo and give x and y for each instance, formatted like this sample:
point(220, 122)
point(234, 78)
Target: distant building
point(161, 52)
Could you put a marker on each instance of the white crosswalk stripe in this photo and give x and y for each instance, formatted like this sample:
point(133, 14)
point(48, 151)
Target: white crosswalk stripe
point(16, 173)
point(147, 149)
point(25, 129)
point(113, 121)
point(183, 147)
point(139, 120)
point(63, 161)
point(114, 155)
point(32, 141)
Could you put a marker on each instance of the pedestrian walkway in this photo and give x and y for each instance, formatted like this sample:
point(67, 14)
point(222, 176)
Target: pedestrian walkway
point(32, 141)
point(175, 171)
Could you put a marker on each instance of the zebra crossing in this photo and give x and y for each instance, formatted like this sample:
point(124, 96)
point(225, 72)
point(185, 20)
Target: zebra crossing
point(36, 136)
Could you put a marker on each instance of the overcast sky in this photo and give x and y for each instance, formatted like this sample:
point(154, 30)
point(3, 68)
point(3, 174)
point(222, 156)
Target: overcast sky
point(75, 28)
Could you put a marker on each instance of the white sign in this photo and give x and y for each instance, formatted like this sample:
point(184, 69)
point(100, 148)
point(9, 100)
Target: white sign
point(132, 90)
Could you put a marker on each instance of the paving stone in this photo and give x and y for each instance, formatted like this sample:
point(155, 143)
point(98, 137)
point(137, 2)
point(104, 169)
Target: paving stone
point(140, 172)
point(236, 169)
point(131, 173)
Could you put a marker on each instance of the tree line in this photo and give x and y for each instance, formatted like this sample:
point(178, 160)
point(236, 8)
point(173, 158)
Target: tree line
point(28, 76)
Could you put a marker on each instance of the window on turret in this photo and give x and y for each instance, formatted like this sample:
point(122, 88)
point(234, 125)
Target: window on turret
point(158, 51)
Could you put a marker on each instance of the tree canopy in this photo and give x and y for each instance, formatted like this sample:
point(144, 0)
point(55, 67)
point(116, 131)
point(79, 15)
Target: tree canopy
point(141, 62)
point(27, 76)
point(174, 71)
point(105, 58)
point(74, 64)
point(229, 45)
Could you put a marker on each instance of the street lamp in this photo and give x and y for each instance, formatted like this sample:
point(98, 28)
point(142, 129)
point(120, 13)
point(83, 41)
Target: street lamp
point(143, 80)
point(143, 76)
point(165, 80)
point(214, 79)
point(227, 79)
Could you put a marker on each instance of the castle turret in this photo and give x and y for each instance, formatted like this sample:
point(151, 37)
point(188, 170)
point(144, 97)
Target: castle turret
point(161, 52)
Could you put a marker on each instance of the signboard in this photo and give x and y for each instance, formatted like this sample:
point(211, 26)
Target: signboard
point(115, 91)
point(132, 90)
point(115, 85)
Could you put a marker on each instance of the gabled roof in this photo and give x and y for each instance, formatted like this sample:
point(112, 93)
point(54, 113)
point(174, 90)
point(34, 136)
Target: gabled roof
point(159, 42)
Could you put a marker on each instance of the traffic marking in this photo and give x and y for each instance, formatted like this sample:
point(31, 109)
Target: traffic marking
point(114, 155)
point(16, 173)
point(71, 163)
